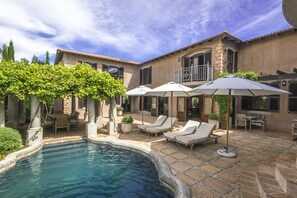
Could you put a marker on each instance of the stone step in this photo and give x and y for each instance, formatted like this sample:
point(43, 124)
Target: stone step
point(267, 184)
point(248, 183)
point(287, 179)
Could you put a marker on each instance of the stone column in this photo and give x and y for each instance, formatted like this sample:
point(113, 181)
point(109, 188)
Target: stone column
point(35, 133)
point(99, 119)
point(91, 127)
point(22, 111)
point(112, 125)
point(2, 113)
point(13, 112)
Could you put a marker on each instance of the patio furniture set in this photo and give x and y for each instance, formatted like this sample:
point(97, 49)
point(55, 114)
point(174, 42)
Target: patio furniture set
point(253, 119)
point(192, 133)
point(61, 120)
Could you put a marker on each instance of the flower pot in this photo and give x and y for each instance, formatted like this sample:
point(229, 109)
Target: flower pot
point(119, 113)
point(126, 127)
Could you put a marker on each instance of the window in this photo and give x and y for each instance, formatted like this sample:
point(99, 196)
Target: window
point(262, 103)
point(93, 65)
point(232, 61)
point(146, 76)
point(292, 97)
point(201, 59)
point(114, 71)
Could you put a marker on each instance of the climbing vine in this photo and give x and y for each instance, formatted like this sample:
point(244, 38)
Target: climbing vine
point(222, 100)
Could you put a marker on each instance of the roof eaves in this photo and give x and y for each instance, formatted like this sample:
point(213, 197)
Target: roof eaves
point(220, 35)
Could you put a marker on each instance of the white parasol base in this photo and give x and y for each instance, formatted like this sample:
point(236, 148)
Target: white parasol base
point(226, 153)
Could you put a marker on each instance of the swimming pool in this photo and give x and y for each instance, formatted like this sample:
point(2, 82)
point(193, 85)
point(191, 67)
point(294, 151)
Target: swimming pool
point(82, 169)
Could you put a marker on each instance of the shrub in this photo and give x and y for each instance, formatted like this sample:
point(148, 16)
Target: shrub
point(10, 141)
point(119, 108)
point(127, 119)
point(213, 116)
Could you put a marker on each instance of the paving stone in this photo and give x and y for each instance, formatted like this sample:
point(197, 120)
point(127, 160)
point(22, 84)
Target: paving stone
point(169, 159)
point(211, 169)
point(185, 178)
point(193, 161)
point(197, 174)
point(202, 191)
point(179, 155)
point(168, 151)
point(222, 163)
point(217, 185)
point(229, 178)
point(180, 166)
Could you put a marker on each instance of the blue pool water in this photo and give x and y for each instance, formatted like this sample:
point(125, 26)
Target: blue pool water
point(82, 169)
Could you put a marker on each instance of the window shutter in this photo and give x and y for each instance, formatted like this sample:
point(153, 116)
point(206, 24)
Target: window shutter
point(150, 75)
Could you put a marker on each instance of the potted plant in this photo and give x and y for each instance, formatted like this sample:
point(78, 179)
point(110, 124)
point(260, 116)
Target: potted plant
point(213, 119)
point(120, 110)
point(127, 123)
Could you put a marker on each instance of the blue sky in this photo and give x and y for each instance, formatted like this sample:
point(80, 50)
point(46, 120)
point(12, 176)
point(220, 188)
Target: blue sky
point(136, 30)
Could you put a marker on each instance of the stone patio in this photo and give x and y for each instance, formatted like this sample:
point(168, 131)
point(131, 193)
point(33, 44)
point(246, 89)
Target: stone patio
point(207, 173)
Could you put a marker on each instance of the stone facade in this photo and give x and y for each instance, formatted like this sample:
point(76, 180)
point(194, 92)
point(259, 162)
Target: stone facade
point(263, 55)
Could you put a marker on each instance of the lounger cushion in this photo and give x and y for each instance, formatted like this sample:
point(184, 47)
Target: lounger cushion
point(160, 120)
point(187, 131)
point(166, 126)
point(202, 133)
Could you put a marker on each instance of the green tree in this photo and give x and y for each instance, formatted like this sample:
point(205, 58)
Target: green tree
point(47, 58)
point(34, 59)
point(4, 52)
point(11, 51)
point(24, 60)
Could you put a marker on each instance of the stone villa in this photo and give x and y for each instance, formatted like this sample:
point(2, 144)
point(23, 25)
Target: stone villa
point(272, 56)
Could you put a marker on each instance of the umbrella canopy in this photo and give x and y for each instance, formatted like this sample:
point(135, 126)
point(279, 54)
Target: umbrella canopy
point(138, 91)
point(170, 89)
point(238, 87)
point(231, 85)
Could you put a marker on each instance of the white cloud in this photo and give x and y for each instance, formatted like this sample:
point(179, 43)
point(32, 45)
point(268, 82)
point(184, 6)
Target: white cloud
point(137, 29)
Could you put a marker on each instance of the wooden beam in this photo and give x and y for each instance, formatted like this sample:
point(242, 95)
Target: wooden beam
point(280, 72)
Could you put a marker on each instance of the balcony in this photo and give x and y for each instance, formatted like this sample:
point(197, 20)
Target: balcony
point(192, 74)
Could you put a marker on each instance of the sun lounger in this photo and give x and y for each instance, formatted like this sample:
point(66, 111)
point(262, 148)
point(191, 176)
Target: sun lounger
point(166, 126)
point(202, 134)
point(160, 120)
point(188, 129)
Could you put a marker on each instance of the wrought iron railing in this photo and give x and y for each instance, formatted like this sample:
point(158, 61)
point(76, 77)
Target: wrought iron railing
point(194, 73)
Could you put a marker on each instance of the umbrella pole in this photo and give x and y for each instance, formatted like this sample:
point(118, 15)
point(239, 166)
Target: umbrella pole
point(229, 96)
point(142, 102)
point(171, 103)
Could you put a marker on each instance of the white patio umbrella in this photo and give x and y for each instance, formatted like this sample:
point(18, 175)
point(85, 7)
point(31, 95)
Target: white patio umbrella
point(235, 86)
point(171, 90)
point(139, 91)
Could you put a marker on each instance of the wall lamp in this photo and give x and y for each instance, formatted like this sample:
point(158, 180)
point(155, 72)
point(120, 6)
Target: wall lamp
point(284, 83)
point(178, 59)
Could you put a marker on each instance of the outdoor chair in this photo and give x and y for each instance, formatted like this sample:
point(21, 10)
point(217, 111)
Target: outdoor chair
point(259, 122)
point(160, 120)
point(61, 121)
point(203, 133)
point(241, 120)
point(188, 129)
point(73, 119)
point(166, 126)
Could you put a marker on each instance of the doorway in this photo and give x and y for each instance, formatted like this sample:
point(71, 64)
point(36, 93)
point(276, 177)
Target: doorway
point(162, 106)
